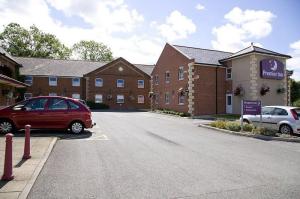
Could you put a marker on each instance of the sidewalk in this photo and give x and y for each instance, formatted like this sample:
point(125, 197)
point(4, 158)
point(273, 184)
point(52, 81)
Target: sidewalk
point(25, 172)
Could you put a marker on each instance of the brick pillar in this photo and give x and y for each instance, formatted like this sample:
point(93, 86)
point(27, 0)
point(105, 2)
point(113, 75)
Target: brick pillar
point(191, 78)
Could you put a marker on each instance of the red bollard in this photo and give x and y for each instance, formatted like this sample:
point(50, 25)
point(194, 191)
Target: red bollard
point(27, 143)
point(8, 172)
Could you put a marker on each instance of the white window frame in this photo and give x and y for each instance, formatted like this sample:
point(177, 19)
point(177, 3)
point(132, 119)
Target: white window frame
point(167, 98)
point(156, 80)
point(156, 99)
point(167, 78)
point(27, 81)
point(120, 85)
point(141, 99)
point(181, 73)
point(141, 85)
point(76, 96)
point(75, 83)
point(52, 94)
point(228, 78)
point(98, 98)
point(52, 83)
point(120, 99)
point(181, 99)
point(100, 83)
point(29, 95)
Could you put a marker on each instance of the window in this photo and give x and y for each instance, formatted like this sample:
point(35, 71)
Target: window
point(98, 82)
point(180, 73)
point(167, 98)
point(98, 98)
point(28, 80)
point(58, 104)
point(156, 98)
point(27, 96)
point(279, 111)
point(167, 77)
point(228, 73)
point(76, 81)
point(141, 99)
point(120, 83)
point(156, 79)
point(76, 96)
point(181, 99)
point(36, 104)
point(120, 99)
point(52, 94)
point(141, 83)
point(267, 110)
point(73, 106)
point(52, 81)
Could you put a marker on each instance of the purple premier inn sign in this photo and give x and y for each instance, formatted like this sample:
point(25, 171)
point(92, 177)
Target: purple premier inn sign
point(251, 107)
point(271, 69)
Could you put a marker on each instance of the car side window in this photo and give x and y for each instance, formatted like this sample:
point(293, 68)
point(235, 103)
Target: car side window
point(73, 106)
point(58, 104)
point(267, 110)
point(36, 104)
point(279, 111)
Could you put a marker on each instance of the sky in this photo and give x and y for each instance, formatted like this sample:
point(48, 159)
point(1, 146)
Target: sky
point(138, 30)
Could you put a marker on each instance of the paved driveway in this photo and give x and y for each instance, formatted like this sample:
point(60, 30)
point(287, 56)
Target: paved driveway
point(147, 155)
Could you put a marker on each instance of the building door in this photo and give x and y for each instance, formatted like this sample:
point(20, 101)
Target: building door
point(228, 103)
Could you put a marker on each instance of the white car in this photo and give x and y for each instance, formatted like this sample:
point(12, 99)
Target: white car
point(282, 118)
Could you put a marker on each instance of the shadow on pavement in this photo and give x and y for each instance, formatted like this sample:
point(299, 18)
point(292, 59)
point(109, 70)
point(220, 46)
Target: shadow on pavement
point(3, 183)
point(61, 134)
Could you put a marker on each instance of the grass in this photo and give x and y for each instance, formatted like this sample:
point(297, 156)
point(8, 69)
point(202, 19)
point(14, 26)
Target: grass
point(227, 116)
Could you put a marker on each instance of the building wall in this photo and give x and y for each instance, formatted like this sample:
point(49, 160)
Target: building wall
point(109, 74)
point(170, 60)
point(246, 72)
point(40, 87)
point(209, 90)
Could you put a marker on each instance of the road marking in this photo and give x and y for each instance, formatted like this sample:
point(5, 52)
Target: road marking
point(98, 137)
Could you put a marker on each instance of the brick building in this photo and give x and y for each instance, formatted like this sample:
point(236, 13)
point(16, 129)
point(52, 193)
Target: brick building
point(119, 84)
point(9, 69)
point(202, 81)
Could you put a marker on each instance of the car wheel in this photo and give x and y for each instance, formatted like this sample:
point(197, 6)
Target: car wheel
point(77, 127)
point(246, 121)
point(6, 126)
point(285, 129)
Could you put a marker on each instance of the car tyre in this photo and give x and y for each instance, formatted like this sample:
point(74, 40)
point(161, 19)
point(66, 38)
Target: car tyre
point(285, 129)
point(76, 127)
point(6, 126)
point(246, 121)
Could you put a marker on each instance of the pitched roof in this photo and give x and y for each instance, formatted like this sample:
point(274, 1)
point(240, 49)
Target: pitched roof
point(56, 67)
point(146, 68)
point(12, 82)
point(202, 56)
point(256, 49)
point(5, 53)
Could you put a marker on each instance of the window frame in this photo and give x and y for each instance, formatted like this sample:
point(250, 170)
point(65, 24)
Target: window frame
point(117, 100)
point(118, 84)
point(156, 80)
point(167, 101)
point(76, 85)
point(167, 77)
point(76, 94)
point(26, 80)
point(96, 101)
point(52, 94)
point(98, 78)
point(181, 73)
point(141, 86)
point(141, 102)
point(51, 84)
point(181, 97)
point(229, 78)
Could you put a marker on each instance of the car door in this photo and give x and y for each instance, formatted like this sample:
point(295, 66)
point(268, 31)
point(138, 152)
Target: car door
point(32, 113)
point(267, 117)
point(278, 115)
point(57, 113)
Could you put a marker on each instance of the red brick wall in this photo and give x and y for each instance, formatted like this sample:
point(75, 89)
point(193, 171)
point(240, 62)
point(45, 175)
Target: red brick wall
point(170, 60)
point(110, 74)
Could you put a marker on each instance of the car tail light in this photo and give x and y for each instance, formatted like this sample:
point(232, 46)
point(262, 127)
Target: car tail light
point(295, 114)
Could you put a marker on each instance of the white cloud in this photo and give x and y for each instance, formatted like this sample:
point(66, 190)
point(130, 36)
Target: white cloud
point(242, 28)
point(200, 6)
point(294, 63)
point(177, 26)
point(106, 18)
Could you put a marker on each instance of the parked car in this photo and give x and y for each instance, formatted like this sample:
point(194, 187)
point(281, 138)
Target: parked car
point(46, 113)
point(282, 118)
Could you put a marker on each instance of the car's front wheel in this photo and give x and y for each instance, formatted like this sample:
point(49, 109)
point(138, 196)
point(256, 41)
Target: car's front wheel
point(6, 126)
point(285, 129)
point(76, 127)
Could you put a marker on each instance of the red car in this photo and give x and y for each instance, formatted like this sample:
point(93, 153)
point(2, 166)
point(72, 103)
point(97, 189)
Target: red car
point(46, 113)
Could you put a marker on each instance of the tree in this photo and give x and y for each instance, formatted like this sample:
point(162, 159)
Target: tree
point(92, 50)
point(19, 41)
point(295, 90)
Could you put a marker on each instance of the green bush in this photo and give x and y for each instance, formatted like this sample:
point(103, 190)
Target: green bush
point(248, 127)
point(233, 126)
point(94, 105)
point(218, 124)
point(264, 131)
point(297, 103)
point(171, 112)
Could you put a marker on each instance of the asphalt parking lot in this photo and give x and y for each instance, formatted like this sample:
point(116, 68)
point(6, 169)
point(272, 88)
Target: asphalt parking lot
point(148, 155)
